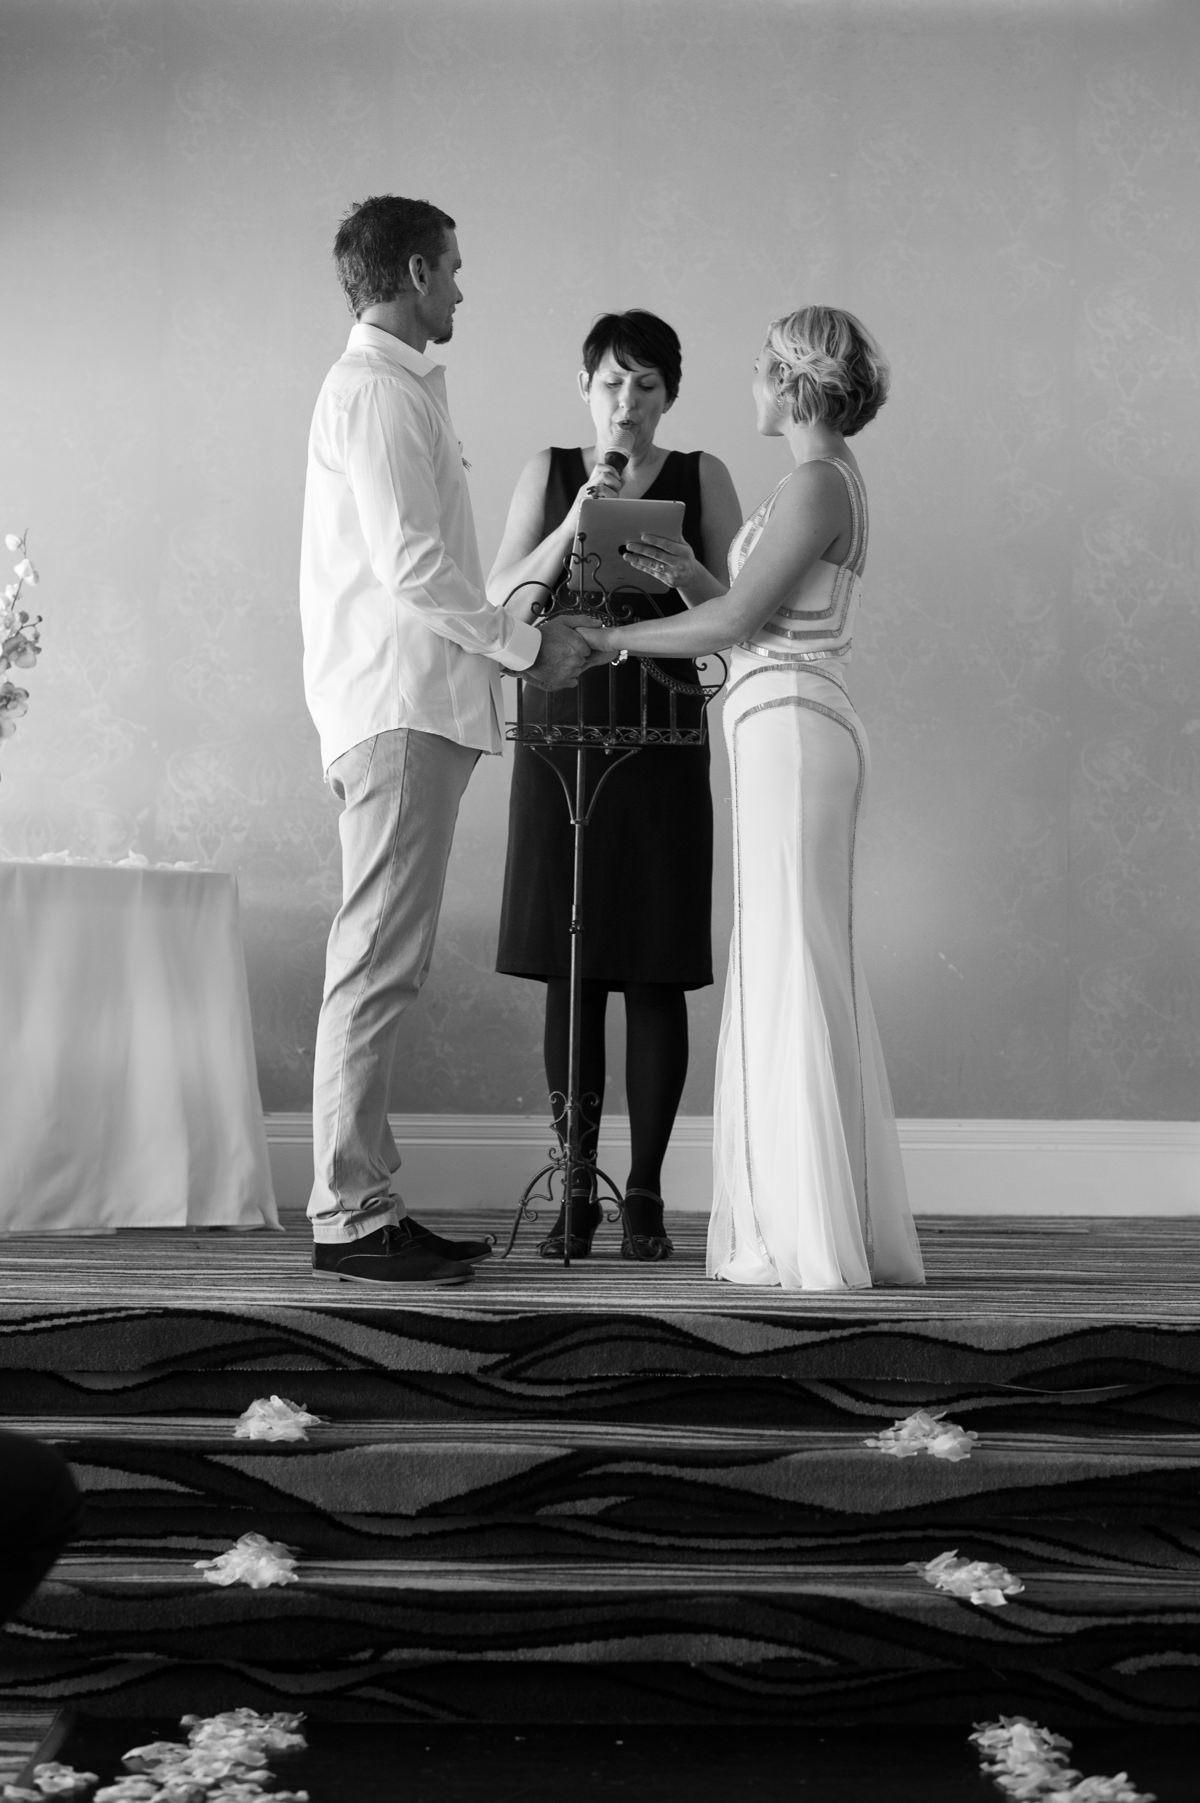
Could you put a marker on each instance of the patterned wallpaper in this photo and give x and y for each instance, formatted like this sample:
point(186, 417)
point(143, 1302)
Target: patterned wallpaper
point(1004, 189)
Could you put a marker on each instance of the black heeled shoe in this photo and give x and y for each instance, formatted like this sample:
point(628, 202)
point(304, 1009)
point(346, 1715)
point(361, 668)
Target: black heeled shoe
point(587, 1213)
point(644, 1235)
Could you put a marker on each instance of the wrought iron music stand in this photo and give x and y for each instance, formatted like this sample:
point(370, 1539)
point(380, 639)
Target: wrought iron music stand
point(584, 593)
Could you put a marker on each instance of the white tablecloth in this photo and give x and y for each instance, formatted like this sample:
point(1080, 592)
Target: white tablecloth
point(128, 1089)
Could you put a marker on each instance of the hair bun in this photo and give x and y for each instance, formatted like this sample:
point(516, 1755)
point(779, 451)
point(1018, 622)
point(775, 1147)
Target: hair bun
point(825, 365)
point(805, 361)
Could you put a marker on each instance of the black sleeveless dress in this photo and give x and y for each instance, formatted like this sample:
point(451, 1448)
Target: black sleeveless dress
point(647, 885)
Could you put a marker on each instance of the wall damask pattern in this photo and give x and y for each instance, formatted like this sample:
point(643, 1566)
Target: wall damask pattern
point(1004, 191)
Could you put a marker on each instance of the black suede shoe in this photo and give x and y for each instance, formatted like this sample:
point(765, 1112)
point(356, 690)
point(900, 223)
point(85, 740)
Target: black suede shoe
point(389, 1256)
point(463, 1252)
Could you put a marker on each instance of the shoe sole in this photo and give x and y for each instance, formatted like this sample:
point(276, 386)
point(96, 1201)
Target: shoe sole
point(395, 1283)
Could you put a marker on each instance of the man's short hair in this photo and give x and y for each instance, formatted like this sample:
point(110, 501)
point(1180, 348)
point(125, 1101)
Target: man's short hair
point(375, 241)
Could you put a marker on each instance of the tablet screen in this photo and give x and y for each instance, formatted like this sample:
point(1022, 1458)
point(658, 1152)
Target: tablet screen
point(605, 526)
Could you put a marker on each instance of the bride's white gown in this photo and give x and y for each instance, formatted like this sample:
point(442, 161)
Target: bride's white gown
point(808, 1189)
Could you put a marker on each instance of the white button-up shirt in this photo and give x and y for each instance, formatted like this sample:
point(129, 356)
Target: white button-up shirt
point(398, 631)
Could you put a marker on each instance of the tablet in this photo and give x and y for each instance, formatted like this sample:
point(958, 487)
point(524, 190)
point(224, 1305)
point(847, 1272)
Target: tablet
point(605, 526)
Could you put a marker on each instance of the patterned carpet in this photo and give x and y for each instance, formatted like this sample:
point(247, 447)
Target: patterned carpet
point(1007, 1300)
point(651, 1488)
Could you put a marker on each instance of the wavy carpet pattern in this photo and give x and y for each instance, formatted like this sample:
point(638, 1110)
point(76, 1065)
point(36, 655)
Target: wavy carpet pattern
point(618, 1488)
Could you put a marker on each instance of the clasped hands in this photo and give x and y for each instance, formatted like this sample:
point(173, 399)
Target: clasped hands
point(671, 560)
point(573, 643)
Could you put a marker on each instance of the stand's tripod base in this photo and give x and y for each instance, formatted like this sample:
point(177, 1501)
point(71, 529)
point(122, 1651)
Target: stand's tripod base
point(558, 1179)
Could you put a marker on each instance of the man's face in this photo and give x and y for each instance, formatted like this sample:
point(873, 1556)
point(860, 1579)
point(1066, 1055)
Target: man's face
point(442, 294)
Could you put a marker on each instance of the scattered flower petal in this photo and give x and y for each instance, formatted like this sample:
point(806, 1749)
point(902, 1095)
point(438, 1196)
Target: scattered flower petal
point(1026, 1761)
point(56, 1780)
point(252, 1560)
point(974, 1578)
point(925, 1432)
point(155, 1756)
point(275, 1418)
point(279, 1732)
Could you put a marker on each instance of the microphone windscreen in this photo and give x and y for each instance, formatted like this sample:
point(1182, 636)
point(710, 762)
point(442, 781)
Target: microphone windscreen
point(619, 451)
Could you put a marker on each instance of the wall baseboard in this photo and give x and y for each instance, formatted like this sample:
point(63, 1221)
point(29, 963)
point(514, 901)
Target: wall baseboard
point(953, 1167)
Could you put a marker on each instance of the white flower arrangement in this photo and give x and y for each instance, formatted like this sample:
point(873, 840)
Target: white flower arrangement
point(224, 1760)
point(1029, 1763)
point(55, 1780)
point(50, 1779)
point(274, 1734)
point(20, 636)
point(925, 1432)
point(252, 1560)
point(973, 1578)
point(275, 1418)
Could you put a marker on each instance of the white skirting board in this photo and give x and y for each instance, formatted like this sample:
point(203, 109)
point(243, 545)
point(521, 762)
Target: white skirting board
point(953, 1167)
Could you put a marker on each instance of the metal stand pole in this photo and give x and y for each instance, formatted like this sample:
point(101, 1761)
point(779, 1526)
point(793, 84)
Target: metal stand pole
point(569, 1159)
point(566, 1162)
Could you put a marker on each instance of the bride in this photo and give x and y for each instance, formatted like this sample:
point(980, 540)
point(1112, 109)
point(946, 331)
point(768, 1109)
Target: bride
point(808, 1189)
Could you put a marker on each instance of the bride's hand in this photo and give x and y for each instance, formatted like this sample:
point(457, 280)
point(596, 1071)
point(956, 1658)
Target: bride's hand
point(671, 560)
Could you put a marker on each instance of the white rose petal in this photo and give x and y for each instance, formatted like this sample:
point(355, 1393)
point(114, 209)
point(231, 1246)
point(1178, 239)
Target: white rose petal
point(56, 1780)
point(1026, 1761)
point(252, 1560)
point(275, 1418)
point(983, 1584)
point(924, 1432)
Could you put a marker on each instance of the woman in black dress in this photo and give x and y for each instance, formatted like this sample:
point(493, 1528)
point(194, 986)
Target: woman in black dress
point(648, 847)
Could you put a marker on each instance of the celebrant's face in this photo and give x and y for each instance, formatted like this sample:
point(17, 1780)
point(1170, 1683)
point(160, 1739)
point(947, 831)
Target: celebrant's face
point(631, 400)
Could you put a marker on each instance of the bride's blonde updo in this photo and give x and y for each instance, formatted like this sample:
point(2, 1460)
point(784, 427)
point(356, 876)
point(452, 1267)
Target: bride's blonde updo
point(824, 365)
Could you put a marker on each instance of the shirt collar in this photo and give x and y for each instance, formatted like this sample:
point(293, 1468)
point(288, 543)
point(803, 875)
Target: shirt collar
point(374, 338)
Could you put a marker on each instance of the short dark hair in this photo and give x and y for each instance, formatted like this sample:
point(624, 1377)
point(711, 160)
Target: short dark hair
point(375, 241)
point(635, 337)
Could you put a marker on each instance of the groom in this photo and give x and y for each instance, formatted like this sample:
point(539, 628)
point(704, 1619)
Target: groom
point(402, 661)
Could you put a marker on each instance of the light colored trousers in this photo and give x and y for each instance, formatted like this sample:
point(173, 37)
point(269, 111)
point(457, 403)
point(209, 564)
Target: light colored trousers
point(400, 792)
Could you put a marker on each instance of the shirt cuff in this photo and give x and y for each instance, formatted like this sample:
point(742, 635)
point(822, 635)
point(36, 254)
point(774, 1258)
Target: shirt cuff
point(523, 645)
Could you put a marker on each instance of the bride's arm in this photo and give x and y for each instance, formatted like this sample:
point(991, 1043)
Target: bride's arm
point(808, 515)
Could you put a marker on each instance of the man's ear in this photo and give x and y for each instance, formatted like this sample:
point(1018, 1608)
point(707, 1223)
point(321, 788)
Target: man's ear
point(585, 383)
point(418, 273)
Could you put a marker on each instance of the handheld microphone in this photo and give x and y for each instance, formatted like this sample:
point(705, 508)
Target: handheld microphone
point(617, 455)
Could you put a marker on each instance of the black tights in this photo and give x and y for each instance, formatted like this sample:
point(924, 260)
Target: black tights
point(656, 1060)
